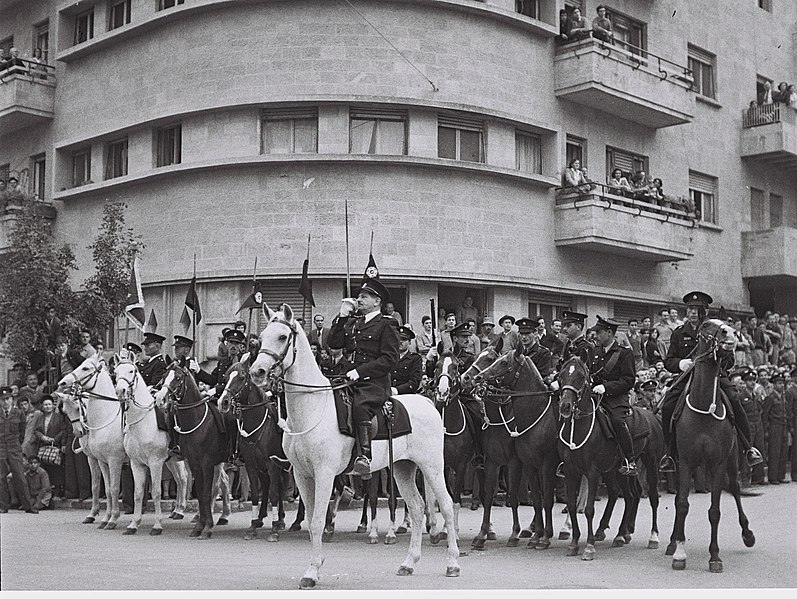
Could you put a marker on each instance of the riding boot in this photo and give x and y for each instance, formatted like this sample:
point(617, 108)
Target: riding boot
point(667, 463)
point(362, 464)
point(626, 443)
point(174, 446)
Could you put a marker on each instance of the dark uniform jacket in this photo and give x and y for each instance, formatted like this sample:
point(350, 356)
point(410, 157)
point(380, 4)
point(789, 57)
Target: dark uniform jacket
point(199, 377)
point(152, 372)
point(578, 347)
point(12, 432)
point(540, 355)
point(408, 373)
point(619, 378)
point(552, 342)
point(682, 342)
point(774, 409)
point(751, 406)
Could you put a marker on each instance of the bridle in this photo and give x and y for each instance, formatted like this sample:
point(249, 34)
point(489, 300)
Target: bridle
point(447, 397)
point(238, 408)
point(79, 390)
point(713, 351)
point(276, 381)
point(178, 395)
point(130, 394)
point(577, 413)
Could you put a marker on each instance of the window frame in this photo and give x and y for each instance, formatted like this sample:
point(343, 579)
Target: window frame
point(113, 7)
point(573, 141)
point(41, 31)
point(379, 116)
point(86, 164)
point(162, 4)
point(292, 115)
point(89, 16)
point(110, 170)
point(611, 162)
point(38, 169)
point(697, 196)
point(520, 133)
point(698, 60)
point(765, 5)
point(458, 125)
point(167, 156)
point(528, 8)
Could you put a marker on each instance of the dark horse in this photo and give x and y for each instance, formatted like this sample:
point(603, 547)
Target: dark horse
point(706, 437)
point(260, 437)
point(587, 451)
point(202, 442)
point(533, 429)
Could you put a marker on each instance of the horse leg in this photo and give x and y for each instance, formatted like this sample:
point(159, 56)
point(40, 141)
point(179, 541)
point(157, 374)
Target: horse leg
point(630, 489)
point(733, 486)
point(202, 496)
point(589, 513)
point(140, 481)
point(433, 479)
point(681, 511)
point(270, 492)
point(316, 494)
point(366, 491)
point(254, 494)
point(96, 479)
point(459, 484)
point(572, 484)
point(115, 471)
point(714, 562)
point(514, 476)
point(276, 493)
point(221, 481)
point(156, 472)
point(537, 525)
point(652, 474)
point(490, 482)
point(390, 537)
point(331, 512)
point(179, 472)
point(547, 480)
point(106, 477)
point(435, 534)
point(610, 478)
point(300, 511)
point(373, 500)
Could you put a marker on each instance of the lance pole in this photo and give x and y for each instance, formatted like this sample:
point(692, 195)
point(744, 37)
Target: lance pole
point(254, 283)
point(304, 299)
point(348, 269)
point(196, 302)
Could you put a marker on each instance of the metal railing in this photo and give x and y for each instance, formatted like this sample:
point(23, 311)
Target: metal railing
point(760, 114)
point(670, 207)
point(29, 69)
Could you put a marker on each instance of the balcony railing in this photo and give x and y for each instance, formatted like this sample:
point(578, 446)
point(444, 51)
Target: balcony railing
point(761, 114)
point(27, 95)
point(769, 134)
point(36, 71)
point(677, 208)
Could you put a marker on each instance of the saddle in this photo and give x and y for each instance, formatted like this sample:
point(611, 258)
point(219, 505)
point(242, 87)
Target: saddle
point(637, 423)
point(401, 418)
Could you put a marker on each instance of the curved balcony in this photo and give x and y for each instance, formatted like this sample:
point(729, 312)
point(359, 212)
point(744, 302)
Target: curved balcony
point(768, 256)
point(11, 206)
point(597, 218)
point(625, 81)
point(27, 96)
point(769, 135)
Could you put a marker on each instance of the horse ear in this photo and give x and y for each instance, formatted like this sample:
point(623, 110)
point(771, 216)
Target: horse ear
point(267, 312)
point(287, 311)
point(723, 316)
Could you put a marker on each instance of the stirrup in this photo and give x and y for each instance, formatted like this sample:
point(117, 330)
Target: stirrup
point(667, 464)
point(628, 467)
point(560, 470)
point(362, 467)
point(753, 457)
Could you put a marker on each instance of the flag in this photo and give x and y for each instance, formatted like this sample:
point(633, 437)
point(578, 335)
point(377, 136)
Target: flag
point(255, 299)
point(185, 320)
point(192, 301)
point(306, 285)
point(152, 323)
point(134, 304)
point(371, 271)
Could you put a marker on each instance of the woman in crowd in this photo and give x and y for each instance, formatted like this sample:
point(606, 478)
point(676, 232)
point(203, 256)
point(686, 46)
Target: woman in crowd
point(50, 430)
point(618, 183)
point(574, 176)
point(652, 349)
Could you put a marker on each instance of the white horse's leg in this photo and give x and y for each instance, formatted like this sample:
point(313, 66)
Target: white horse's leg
point(567, 529)
point(96, 479)
point(178, 471)
point(405, 479)
point(434, 479)
point(106, 477)
point(115, 471)
point(224, 485)
point(431, 515)
point(316, 493)
point(140, 481)
point(156, 472)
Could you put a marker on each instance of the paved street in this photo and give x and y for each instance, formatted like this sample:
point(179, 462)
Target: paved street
point(97, 559)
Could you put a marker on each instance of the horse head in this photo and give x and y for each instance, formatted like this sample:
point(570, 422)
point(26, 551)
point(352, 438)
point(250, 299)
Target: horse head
point(575, 386)
point(237, 384)
point(174, 387)
point(71, 404)
point(482, 361)
point(127, 378)
point(503, 371)
point(85, 375)
point(715, 337)
point(278, 343)
point(446, 380)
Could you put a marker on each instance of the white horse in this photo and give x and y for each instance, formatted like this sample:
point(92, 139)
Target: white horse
point(96, 413)
point(146, 445)
point(318, 450)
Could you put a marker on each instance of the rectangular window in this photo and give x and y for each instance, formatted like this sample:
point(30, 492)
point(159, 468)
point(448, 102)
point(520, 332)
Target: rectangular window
point(41, 39)
point(84, 26)
point(628, 32)
point(460, 138)
point(757, 209)
point(703, 191)
point(576, 149)
point(169, 145)
point(628, 162)
point(5, 169)
point(163, 4)
point(703, 65)
point(118, 13)
point(530, 8)
point(528, 152)
point(6, 44)
point(762, 97)
point(39, 168)
point(116, 159)
point(81, 167)
point(291, 131)
point(382, 131)
point(765, 4)
point(775, 210)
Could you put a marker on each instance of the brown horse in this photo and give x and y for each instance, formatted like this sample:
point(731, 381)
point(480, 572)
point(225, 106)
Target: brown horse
point(706, 437)
point(587, 451)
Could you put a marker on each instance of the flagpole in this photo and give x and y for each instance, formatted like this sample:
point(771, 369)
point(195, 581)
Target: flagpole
point(304, 299)
point(254, 281)
point(348, 271)
point(193, 316)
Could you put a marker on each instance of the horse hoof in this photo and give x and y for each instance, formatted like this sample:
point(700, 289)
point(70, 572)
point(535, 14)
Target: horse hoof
point(405, 571)
point(195, 518)
point(443, 535)
point(477, 543)
point(205, 536)
point(670, 549)
point(307, 583)
point(543, 544)
point(177, 516)
point(627, 538)
point(491, 536)
point(434, 539)
point(653, 544)
point(571, 551)
point(589, 554)
point(401, 530)
point(715, 566)
point(362, 528)
point(748, 538)
point(452, 571)
point(154, 532)
point(564, 535)
point(110, 526)
point(88, 520)
point(102, 525)
point(618, 542)
point(194, 534)
point(277, 525)
point(373, 540)
point(273, 537)
point(512, 542)
point(222, 522)
point(390, 540)
point(326, 537)
point(295, 527)
point(257, 524)
point(600, 536)
point(130, 531)
point(679, 564)
point(525, 533)
point(249, 535)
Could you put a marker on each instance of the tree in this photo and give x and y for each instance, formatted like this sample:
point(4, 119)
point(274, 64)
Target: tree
point(33, 274)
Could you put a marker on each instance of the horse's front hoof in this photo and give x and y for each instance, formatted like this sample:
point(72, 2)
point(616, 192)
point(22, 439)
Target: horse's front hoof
point(273, 537)
point(405, 571)
point(491, 536)
point(434, 539)
point(478, 543)
point(618, 542)
point(679, 564)
point(401, 530)
point(295, 527)
point(748, 538)
point(194, 534)
point(627, 538)
point(195, 518)
point(373, 540)
point(715, 566)
point(277, 525)
point(443, 535)
point(653, 544)
point(110, 526)
point(600, 535)
point(130, 531)
point(452, 571)
point(390, 540)
point(102, 525)
point(250, 534)
point(512, 542)
point(563, 535)
point(205, 535)
point(307, 583)
point(326, 537)
point(88, 520)
point(543, 544)
point(154, 532)
point(589, 553)
point(572, 551)
point(670, 549)
point(525, 533)
point(222, 521)
point(362, 528)
point(256, 524)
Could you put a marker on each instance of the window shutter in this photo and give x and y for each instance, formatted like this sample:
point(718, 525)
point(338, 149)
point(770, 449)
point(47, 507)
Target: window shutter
point(278, 114)
point(460, 122)
point(625, 311)
point(278, 292)
point(551, 299)
point(378, 112)
point(700, 54)
point(702, 183)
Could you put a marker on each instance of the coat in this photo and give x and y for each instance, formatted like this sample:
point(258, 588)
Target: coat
point(619, 378)
point(12, 432)
point(578, 347)
point(55, 429)
point(541, 356)
point(153, 370)
point(408, 373)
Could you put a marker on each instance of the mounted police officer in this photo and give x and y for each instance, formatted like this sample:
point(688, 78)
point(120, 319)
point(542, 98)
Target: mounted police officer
point(407, 375)
point(182, 355)
point(153, 370)
point(679, 360)
point(530, 346)
point(373, 341)
point(235, 341)
point(613, 377)
point(576, 343)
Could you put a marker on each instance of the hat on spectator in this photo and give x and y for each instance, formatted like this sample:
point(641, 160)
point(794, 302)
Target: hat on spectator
point(461, 330)
point(697, 298)
point(763, 369)
point(180, 341)
point(526, 325)
point(488, 320)
point(644, 385)
point(376, 288)
point(153, 338)
point(571, 317)
point(405, 332)
point(749, 374)
point(5, 392)
point(133, 347)
point(606, 324)
point(235, 335)
point(777, 376)
point(506, 317)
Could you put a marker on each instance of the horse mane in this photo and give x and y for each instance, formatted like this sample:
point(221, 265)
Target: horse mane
point(529, 365)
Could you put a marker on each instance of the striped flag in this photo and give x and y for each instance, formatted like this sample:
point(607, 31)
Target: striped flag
point(192, 301)
point(134, 306)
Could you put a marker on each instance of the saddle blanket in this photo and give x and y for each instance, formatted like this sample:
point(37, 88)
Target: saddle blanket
point(401, 421)
point(637, 424)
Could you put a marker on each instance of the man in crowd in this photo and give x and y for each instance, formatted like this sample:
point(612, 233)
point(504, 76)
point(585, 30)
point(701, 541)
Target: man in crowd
point(550, 339)
point(509, 339)
point(665, 329)
point(407, 375)
point(530, 346)
point(53, 326)
point(320, 333)
point(576, 344)
point(86, 348)
point(423, 340)
point(775, 420)
point(12, 433)
point(37, 482)
point(182, 355)
point(467, 310)
point(487, 336)
point(602, 26)
point(32, 391)
point(646, 394)
point(474, 345)
point(752, 407)
point(390, 312)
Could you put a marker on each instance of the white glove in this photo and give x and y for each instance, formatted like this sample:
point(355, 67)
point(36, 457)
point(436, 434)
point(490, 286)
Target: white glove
point(353, 375)
point(554, 385)
point(599, 389)
point(685, 364)
point(347, 307)
point(393, 391)
point(211, 392)
point(193, 366)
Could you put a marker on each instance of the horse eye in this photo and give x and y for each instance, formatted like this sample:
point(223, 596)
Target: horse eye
point(282, 337)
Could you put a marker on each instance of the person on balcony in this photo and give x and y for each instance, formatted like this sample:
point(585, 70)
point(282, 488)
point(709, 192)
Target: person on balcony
point(602, 26)
point(782, 95)
point(766, 96)
point(574, 176)
point(14, 64)
point(38, 65)
point(618, 184)
point(577, 27)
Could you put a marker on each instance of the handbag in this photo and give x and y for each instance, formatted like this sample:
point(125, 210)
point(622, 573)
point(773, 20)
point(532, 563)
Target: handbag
point(50, 454)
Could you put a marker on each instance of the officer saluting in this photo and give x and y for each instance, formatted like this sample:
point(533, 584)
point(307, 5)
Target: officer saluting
point(153, 370)
point(409, 371)
point(373, 342)
point(182, 354)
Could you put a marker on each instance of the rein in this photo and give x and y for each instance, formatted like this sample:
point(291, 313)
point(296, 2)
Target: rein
point(578, 413)
point(177, 406)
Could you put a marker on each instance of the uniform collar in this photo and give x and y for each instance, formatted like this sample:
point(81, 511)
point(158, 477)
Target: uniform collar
point(371, 315)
